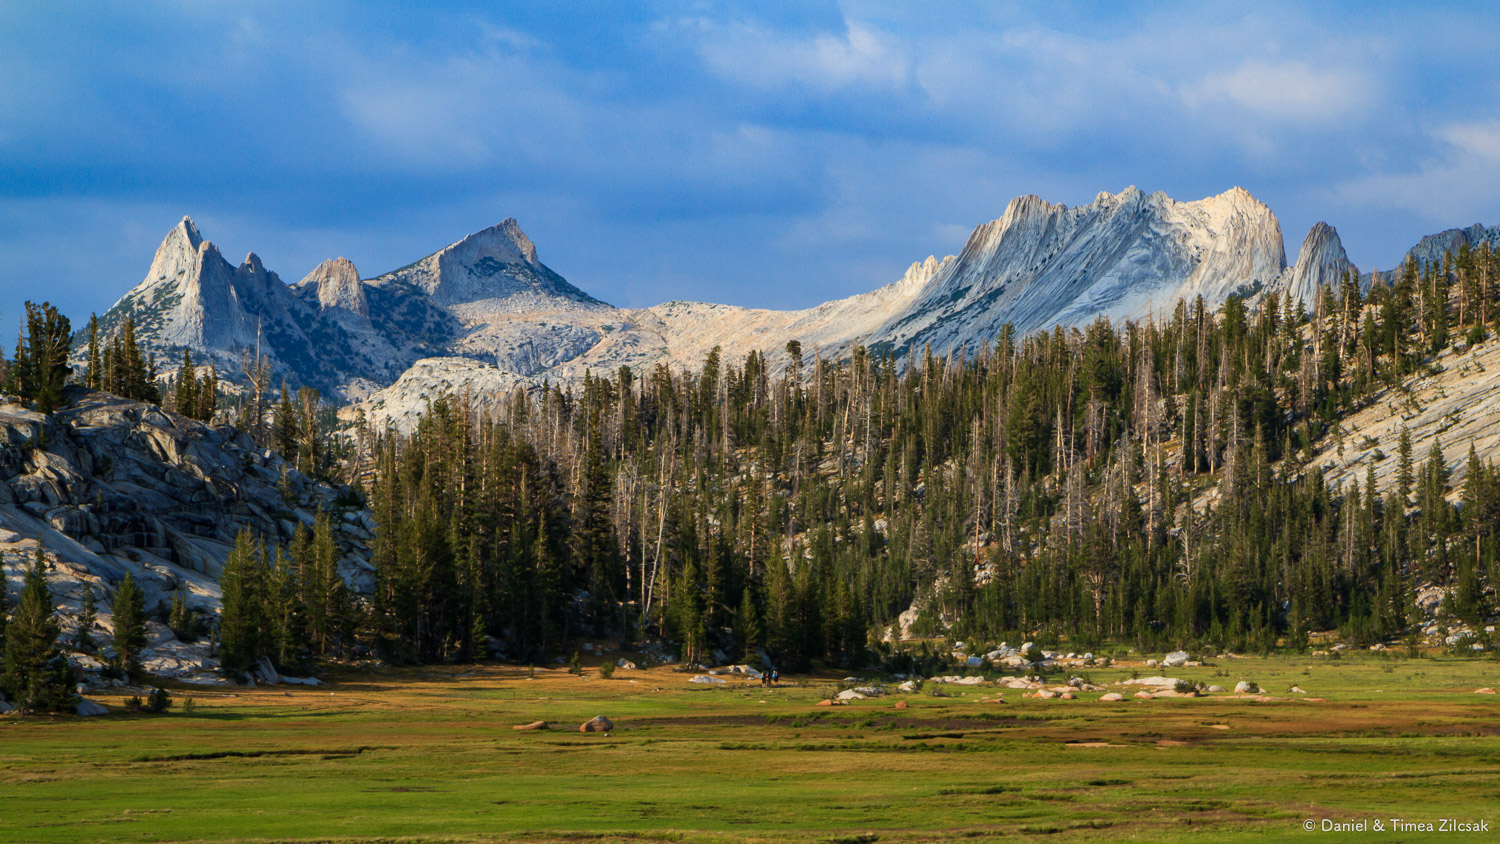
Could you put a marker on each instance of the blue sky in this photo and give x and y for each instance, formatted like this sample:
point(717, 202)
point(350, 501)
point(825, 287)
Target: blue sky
point(759, 153)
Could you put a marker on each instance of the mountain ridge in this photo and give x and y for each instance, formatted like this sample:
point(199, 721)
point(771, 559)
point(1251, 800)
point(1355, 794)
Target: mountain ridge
point(488, 300)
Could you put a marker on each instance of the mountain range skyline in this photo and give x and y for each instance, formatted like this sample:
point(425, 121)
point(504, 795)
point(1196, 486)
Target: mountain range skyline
point(485, 315)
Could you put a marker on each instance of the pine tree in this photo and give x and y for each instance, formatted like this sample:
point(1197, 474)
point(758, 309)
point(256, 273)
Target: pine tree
point(96, 363)
point(187, 386)
point(36, 674)
point(88, 617)
point(41, 365)
point(129, 618)
point(1403, 467)
point(182, 620)
point(243, 610)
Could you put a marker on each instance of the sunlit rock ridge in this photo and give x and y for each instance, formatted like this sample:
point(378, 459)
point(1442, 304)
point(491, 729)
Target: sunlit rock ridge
point(485, 315)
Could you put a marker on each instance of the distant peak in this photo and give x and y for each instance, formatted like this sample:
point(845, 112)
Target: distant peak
point(506, 235)
point(1321, 232)
point(190, 231)
point(339, 268)
point(1238, 196)
point(338, 286)
point(1026, 206)
point(184, 233)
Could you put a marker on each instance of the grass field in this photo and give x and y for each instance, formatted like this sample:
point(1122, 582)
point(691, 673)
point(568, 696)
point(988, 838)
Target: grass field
point(428, 754)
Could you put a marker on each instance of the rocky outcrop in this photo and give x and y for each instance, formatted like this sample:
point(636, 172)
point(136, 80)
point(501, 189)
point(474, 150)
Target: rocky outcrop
point(1449, 404)
point(108, 487)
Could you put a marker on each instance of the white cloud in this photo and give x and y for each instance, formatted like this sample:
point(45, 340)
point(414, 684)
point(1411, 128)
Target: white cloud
point(858, 58)
point(1458, 180)
point(1291, 91)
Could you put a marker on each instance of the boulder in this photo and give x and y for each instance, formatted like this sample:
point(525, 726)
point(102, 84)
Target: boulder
point(900, 704)
point(1484, 691)
point(534, 725)
point(1175, 659)
point(596, 724)
point(1145, 695)
point(1245, 687)
point(1151, 663)
point(301, 681)
point(624, 663)
point(870, 691)
point(1216, 689)
point(265, 672)
point(909, 687)
point(974, 662)
point(1162, 682)
point(1068, 696)
point(708, 680)
point(1111, 697)
point(88, 708)
point(849, 694)
point(1046, 694)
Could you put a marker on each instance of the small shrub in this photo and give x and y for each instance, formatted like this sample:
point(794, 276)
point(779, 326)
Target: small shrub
point(189, 706)
point(575, 666)
point(158, 701)
point(607, 670)
point(134, 704)
point(531, 672)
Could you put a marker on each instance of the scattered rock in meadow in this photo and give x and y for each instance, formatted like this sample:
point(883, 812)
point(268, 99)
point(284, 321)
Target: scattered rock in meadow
point(1484, 691)
point(1144, 696)
point(1245, 687)
point(88, 707)
point(1216, 689)
point(1158, 682)
point(1111, 697)
point(624, 663)
point(596, 724)
point(708, 680)
point(534, 725)
point(900, 704)
point(849, 694)
point(1175, 659)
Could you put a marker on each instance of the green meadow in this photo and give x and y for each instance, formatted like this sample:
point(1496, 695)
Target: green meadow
point(429, 754)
